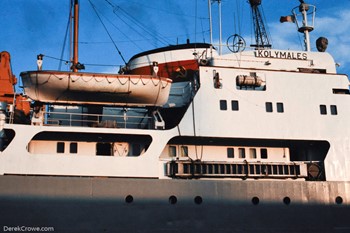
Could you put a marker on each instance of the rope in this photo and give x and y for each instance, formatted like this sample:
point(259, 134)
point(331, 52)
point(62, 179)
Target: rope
point(162, 39)
point(115, 45)
point(65, 37)
point(67, 62)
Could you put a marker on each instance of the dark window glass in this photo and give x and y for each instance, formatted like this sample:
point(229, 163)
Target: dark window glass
point(234, 105)
point(334, 110)
point(223, 105)
point(136, 149)
point(323, 109)
point(241, 153)
point(280, 107)
point(263, 153)
point(60, 147)
point(104, 149)
point(73, 148)
point(269, 107)
point(230, 153)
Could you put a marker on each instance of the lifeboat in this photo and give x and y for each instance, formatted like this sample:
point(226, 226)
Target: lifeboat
point(93, 88)
point(177, 62)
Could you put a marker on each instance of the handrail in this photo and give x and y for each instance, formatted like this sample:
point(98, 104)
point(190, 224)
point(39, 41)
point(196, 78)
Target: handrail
point(96, 120)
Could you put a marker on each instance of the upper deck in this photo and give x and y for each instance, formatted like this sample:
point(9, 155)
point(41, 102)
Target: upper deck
point(281, 60)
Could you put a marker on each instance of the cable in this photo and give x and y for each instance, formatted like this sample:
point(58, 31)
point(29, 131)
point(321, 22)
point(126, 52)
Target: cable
point(115, 45)
point(65, 37)
point(195, 21)
point(66, 62)
point(124, 34)
point(162, 39)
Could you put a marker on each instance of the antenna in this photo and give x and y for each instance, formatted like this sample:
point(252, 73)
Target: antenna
point(307, 25)
point(211, 25)
point(210, 22)
point(261, 37)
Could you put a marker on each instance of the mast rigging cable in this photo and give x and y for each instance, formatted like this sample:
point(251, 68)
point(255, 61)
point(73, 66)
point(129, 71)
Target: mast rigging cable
point(115, 45)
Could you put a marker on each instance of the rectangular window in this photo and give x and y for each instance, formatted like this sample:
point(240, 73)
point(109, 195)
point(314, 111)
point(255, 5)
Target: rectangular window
point(223, 105)
point(104, 149)
point(234, 105)
point(73, 148)
point(184, 151)
point(269, 107)
point(341, 91)
point(136, 149)
point(172, 151)
point(263, 153)
point(323, 109)
point(334, 110)
point(241, 153)
point(230, 153)
point(280, 107)
point(252, 153)
point(60, 147)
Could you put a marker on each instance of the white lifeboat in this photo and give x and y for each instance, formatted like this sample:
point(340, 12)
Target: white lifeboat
point(93, 88)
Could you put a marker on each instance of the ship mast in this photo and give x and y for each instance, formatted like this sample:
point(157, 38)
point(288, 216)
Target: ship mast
point(307, 25)
point(75, 61)
point(211, 24)
point(75, 35)
point(261, 37)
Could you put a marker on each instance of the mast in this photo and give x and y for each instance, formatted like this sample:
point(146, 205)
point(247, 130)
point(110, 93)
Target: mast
point(306, 27)
point(220, 28)
point(261, 37)
point(211, 24)
point(75, 36)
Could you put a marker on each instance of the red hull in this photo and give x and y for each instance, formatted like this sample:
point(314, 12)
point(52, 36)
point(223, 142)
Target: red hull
point(177, 71)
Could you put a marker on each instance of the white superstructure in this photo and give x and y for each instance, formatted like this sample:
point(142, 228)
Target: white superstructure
point(183, 140)
point(261, 107)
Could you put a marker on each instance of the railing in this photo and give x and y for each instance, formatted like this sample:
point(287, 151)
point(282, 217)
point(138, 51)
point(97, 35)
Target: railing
point(198, 169)
point(97, 120)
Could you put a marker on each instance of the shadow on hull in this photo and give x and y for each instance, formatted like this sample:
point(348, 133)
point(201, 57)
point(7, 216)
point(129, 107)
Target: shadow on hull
point(137, 205)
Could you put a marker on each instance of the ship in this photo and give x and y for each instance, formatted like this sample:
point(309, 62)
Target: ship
point(255, 140)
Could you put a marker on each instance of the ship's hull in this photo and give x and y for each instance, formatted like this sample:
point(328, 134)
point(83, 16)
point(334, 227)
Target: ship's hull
point(90, 88)
point(78, 204)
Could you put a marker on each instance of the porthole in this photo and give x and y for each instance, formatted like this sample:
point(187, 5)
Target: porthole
point(129, 199)
point(255, 200)
point(339, 200)
point(173, 200)
point(286, 200)
point(198, 200)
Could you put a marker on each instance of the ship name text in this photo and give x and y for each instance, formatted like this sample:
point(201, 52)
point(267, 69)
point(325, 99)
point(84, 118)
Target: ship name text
point(281, 55)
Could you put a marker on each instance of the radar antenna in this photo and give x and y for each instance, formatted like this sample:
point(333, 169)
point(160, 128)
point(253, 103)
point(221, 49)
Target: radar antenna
point(261, 37)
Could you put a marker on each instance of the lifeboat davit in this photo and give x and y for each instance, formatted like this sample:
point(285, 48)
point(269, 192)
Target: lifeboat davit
point(177, 62)
point(93, 88)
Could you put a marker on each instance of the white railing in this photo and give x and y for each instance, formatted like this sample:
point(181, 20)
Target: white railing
point(97, 120)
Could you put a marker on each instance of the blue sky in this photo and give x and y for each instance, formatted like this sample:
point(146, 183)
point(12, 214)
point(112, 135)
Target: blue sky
point(31, 27)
